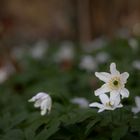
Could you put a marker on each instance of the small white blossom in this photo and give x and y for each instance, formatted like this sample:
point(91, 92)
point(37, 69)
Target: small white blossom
point(82, 102)
point(19, 51)
point(96, 44)
point(42, 100)
point(66, 53)
point(114, 82)
point(5, 72)
point(102, 57)
point(107, 103)
point(136, 64)
point(88, 63)
point(39, 49)
point(133, 44)
point(3, 75)
point(137, 108)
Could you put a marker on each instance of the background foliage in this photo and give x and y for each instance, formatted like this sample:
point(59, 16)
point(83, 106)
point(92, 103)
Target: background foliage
point(19, 120)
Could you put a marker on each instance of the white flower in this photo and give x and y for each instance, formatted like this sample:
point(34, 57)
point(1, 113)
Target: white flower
point(5, 72)
point(19, 51)
point(96, 44)
point(88, 63)
point(136, 64)
point(133, 44)
point(114, 82)
point(82, 102)
point(39, 49)
point(102, 57)
point(42, 100)
point(3, 75)
point(137, 108)
point(107, 103)
point(66, 53)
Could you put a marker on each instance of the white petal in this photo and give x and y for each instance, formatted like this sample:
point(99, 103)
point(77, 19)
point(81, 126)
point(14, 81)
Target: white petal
point(46, 104)
point(104, 98)
point(95, 104)
point(137, 100)
point(117, 101)
point(114, 95)
point(49, 104)
point(103, 89)
point(101, 110)
point(38, 103)
point(43, 112)
point(44, 107)
point(113, 69)
point(104, 76)
point(119, 106)
point(109, 108)
point(38, 96)
point(124, 92)
point(31, 100)
point(41, 95)
point(135, 110)
point(124, 77)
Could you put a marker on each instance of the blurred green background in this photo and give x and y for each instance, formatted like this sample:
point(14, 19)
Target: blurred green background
point(56, 47)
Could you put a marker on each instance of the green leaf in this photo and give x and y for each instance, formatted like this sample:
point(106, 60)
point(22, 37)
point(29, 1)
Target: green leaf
point(29, 134)
point(91, 124)
point(119, 132)
point(19, 118)
point(47, 132)
point(15, 134)
point(135, 125)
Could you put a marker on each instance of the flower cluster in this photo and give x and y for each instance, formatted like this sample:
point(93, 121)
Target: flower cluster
point(114, 85)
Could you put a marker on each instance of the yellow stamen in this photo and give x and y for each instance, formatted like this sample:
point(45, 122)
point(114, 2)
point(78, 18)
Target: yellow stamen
point(115, 83)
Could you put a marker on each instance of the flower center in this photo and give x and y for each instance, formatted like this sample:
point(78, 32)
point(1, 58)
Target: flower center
point(109, 104)
point(115, 83)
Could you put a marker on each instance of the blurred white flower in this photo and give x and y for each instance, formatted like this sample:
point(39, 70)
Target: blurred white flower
point(137, 108)
point(107, 103)
point(39, 49)
point(82, 102)
point(3, 75)
point(114, 82)
point(42, 100)
point(136, 64)
point(19, 51)
point(102, 57)
point(133, 43)
point(65, 53)
point(123, 33)
point(5, 72)
point(96, 44)
point(88, 63)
